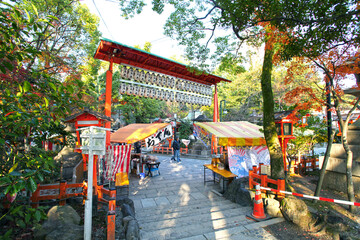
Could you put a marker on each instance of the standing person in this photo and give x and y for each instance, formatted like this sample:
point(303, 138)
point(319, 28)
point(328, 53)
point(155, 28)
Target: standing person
point(137, 147)
point(176, 148)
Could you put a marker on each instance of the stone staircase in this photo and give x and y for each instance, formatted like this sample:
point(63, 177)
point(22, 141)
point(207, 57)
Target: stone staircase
point(177, 205)
point(211, 217)
point(335, 177)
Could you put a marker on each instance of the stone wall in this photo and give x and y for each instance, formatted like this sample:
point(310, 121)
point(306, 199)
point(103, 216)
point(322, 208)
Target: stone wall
point(335, 177)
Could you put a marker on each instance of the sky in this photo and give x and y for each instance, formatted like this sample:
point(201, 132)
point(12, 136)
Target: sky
point(145, 27)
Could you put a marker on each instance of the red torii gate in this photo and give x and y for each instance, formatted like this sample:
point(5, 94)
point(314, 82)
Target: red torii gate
point(115, 52)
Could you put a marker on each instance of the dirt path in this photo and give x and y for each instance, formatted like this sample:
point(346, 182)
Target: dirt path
point(307, 185)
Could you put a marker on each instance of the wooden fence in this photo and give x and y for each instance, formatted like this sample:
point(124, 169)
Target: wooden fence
point(256, 177)
point(59, 191)
point(304, 165)
point(168, 150)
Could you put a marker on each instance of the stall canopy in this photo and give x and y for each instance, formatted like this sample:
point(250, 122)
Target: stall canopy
point(136, 132)
point(241, 133)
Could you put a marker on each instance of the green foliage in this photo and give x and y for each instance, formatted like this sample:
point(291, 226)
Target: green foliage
point(185, 130)
point(38, 88)
point(307, 136)
point(20, 218)
point(67, 35)
point(141, 110)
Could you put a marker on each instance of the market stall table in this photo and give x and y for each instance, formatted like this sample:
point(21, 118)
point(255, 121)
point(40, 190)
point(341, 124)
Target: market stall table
point(152, 165)
point(226, 175)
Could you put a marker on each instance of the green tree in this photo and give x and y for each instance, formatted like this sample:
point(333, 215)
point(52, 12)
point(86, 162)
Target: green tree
point(33, 100)
point(65, 40)
point(194, 24)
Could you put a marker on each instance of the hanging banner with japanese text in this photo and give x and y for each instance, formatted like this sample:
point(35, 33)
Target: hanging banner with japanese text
point(159, 136)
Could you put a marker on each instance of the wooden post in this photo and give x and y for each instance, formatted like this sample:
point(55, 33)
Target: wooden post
point(260, 164)
point(62, 193)
point(251, 179)
point(281, 186)
point(255, 169)
point(109, 74)
point(111, 225)
point(263, 178)
point(35, 197)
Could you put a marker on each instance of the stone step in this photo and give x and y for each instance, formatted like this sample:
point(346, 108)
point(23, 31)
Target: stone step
point(353, 137)
point(219, 216)
point(182, 206)
point(251, 231)
point(223, 209)
point(193, 227)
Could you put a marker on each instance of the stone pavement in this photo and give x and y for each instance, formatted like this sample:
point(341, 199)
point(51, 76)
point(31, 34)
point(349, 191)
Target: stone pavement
point(177, 205)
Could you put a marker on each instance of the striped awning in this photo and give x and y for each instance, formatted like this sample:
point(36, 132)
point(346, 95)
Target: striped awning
point(241, 133)
point(136, 132)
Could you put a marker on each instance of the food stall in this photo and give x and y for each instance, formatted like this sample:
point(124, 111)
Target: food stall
point(149, 134)
point(237, 146)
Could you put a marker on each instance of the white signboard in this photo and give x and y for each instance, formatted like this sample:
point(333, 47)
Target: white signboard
point(159, 136)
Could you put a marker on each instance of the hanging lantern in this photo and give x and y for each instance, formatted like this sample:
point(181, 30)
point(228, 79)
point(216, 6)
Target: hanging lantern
point(136, 74)
point(142, 76)
point(147, 77)
point(192, 100)
point(166, 95)
point(151, 93)
point(130, 74)
point(124, 72)
point(172, 96)
point(157, 93)
point(141, 91)
point(136, 90)
point(146, 92)
point(210, 91)
point(178, 84)
point(125, 88)
point(160, 80)
point(130, 90)
point(171, 82)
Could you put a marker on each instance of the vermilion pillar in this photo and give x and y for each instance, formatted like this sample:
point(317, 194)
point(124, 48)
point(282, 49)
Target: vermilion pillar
point(216, 106)
point(109, 74)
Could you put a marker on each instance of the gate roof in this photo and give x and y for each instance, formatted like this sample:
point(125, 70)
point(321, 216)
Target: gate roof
point(123, 54)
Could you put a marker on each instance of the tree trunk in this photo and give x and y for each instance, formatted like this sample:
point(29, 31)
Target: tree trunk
point(349, 153)
point(271, 137)
point(349, 160)
point(323, 168)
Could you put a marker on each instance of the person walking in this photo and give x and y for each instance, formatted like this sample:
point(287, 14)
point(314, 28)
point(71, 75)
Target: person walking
point(176, 148)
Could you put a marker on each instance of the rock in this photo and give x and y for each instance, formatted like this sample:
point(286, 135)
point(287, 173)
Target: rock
point(66, 232)
point(126, 220)
point(127, 210)
point(237, 193)
point(272, 207)
point(64, 214)
point(121, 201)
point(296, 211)
point(62, 223)
point(335, 223)
point(132, 230)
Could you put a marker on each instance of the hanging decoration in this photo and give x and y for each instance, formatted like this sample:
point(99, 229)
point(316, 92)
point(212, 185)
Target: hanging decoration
point(143, 83)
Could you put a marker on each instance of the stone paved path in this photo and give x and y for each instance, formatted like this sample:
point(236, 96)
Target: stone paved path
point(177, 205)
